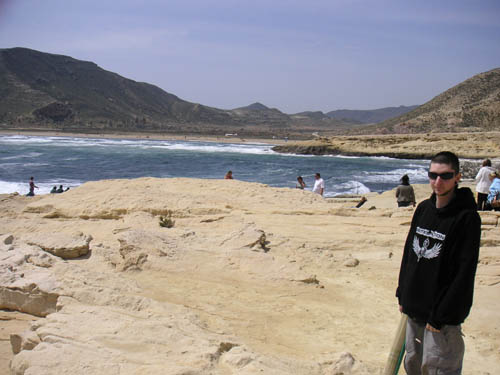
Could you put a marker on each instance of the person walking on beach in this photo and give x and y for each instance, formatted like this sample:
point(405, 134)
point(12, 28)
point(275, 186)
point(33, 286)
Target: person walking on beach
point(404, 193)
point(32, 187)
point(300, 183)
point(436, 279)
point(319, 184)
point(229, 175)
point(483, 183)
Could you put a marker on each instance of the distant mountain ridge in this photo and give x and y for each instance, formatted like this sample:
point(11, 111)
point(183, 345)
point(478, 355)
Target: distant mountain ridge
point(372, 116)
point(253, 107)
point(42, 90)
point(54, 92)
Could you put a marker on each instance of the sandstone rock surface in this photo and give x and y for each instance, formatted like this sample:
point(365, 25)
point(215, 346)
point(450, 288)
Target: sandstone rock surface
point(476, 145)
point(244, 283)
point(25, 283)
point(62, 245)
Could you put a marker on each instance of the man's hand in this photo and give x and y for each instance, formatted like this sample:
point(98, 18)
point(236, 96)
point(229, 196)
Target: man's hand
point(400, 308)
point(431, 328)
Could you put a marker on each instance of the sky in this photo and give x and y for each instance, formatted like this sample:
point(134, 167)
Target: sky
point(316, 55)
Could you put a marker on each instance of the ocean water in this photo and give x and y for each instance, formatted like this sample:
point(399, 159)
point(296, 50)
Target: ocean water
point(72, 161)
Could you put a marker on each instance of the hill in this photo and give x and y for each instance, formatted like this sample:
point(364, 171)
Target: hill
point(45, 91)
point(254, 107)
point(473, 105)
point(372, 116)
point(258, 114)
point(58, 90)
point(54, 92)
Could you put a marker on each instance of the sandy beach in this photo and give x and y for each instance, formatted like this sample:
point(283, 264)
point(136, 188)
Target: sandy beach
point(249, 279)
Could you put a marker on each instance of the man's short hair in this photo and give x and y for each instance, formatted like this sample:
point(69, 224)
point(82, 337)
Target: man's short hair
point(317, 174)
point(449, 158)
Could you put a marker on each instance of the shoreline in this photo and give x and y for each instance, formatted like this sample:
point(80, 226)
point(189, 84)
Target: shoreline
point(464, 182)
point(469, 168)
point(471, 146)
point(147, 136)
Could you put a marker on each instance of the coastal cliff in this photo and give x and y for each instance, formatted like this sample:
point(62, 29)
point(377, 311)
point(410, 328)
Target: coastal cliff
point(401, 146)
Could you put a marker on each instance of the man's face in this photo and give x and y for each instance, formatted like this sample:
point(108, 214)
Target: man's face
point(441, 186)
point(316, 177)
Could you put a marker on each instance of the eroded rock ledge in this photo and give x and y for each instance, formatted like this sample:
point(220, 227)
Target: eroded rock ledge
point(401, 146)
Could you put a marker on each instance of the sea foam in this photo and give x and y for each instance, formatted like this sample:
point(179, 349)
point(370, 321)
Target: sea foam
point(8, 187)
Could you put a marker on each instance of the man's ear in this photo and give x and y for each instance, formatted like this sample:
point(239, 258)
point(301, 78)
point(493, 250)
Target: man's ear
point(458, 177)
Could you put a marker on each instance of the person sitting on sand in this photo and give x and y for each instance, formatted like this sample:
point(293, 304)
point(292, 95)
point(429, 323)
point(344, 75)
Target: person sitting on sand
point(494, 192)
point(300, 183)
point(361, 202)
point(32, 187)
point(229, 175)
point(54, 190)
point(404, 193)
point(60, 190)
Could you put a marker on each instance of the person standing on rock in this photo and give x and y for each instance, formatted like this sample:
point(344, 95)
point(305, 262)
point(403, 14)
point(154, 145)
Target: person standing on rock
point(436, 279)
point(483, 182)
point(404, 193)
point(32, 187)
point(319, 185)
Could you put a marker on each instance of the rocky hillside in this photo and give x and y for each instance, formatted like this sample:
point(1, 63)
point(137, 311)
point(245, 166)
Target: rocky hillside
point(372, 116)
point(41, 90)
point(261, 115)
point(54, 92)
point(473, 105)
point(58, 90)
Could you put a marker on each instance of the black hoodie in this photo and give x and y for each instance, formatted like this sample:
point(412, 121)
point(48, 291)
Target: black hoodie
point(436, 280)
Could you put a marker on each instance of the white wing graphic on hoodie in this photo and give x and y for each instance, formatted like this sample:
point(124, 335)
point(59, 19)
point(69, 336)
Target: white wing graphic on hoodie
point(423, 251)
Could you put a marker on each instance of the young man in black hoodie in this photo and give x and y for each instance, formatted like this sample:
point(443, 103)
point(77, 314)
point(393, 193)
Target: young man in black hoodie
point(436, 280)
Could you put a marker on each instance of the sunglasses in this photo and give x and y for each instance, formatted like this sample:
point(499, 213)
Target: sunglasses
point(444, 176)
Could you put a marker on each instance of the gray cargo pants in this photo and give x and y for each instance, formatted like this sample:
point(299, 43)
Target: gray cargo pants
point(433, 353)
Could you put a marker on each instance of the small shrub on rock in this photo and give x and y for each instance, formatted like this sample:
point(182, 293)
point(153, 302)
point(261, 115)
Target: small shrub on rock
point(166, 221)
